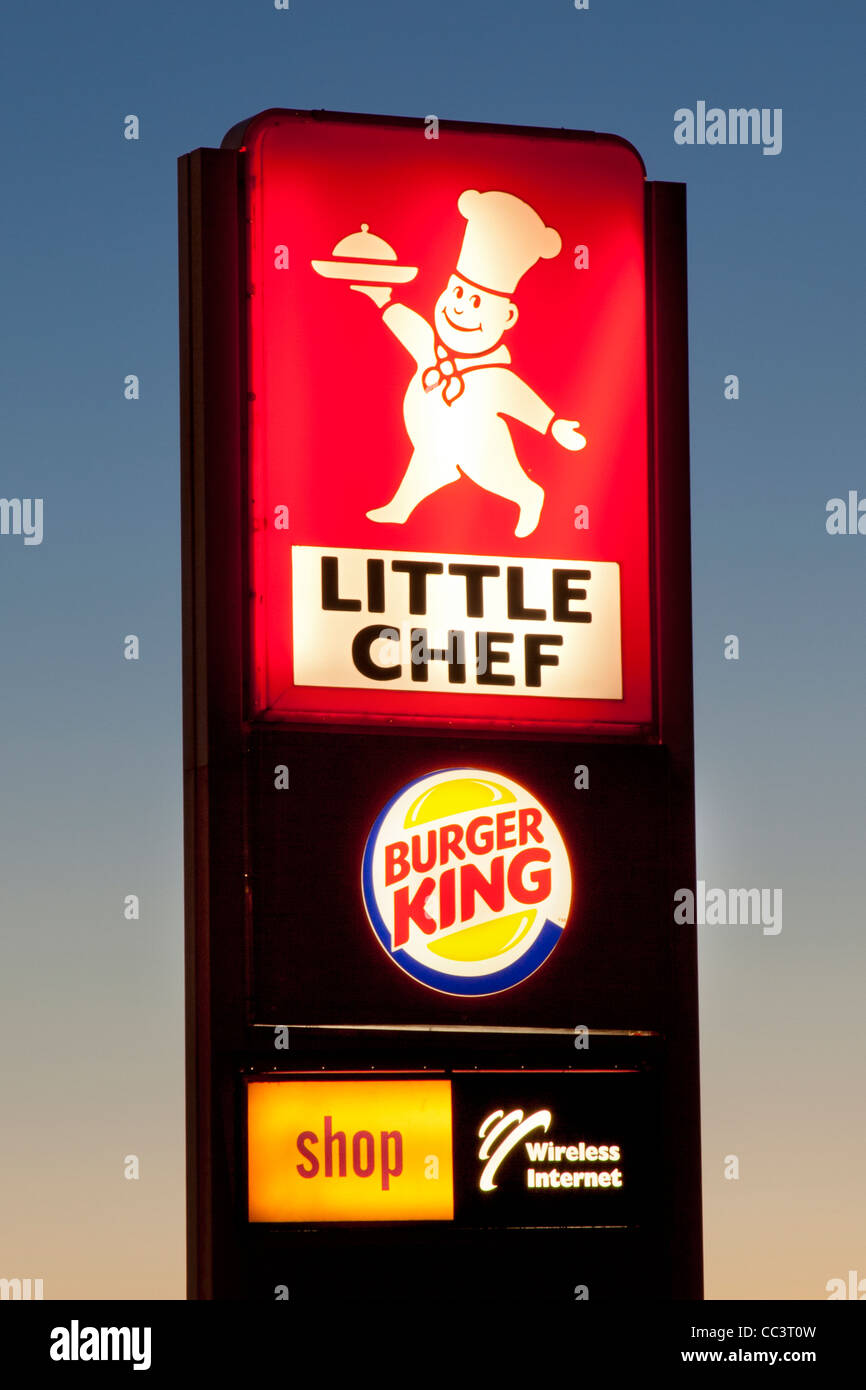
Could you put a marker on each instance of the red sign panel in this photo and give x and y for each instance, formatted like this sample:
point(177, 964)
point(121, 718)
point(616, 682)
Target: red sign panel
point(448, 425)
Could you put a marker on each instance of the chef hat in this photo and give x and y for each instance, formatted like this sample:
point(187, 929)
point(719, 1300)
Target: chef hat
point(504, 237)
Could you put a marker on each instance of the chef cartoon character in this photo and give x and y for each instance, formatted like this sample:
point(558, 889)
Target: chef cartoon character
point(456, 403)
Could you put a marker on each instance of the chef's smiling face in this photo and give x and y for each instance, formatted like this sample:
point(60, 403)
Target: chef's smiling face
point(469, 320)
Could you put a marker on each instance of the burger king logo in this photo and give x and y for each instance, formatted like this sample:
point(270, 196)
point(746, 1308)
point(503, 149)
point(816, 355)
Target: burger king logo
point(466, 881)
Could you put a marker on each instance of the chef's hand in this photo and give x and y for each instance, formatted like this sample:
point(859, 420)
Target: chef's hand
point(380, 294)
point(565, 433)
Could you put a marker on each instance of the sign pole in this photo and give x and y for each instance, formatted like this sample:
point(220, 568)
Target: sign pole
point(212, 511)
point(668, 357)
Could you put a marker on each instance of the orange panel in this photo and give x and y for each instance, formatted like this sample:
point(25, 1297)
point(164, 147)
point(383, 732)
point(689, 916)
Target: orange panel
point(350, 1151)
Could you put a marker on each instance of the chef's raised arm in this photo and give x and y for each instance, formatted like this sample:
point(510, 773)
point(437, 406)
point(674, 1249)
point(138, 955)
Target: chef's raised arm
point(409, 328)
point(413, 331)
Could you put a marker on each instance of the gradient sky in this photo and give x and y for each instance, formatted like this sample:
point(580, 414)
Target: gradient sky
point(91, 1005)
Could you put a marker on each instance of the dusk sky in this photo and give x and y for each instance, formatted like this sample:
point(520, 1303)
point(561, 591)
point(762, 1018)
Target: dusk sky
point(91, 1005)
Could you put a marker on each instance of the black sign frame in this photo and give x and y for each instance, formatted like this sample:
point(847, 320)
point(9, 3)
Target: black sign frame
point(220, 744)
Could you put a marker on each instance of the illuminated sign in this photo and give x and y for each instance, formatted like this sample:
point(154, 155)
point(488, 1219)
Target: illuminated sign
point(388, 618)
point(448, 425)
point(349, 1151)
point(547, 1166)
point(555, 1149)
point(524, 1148)
point(466, 881)
point(438, 744)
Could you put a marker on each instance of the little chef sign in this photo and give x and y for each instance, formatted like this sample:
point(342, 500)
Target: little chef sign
point(448, 424)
